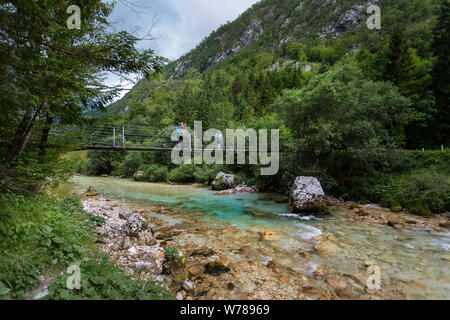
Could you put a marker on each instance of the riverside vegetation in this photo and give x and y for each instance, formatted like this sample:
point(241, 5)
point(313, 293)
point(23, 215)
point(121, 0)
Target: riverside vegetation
point(354, 108)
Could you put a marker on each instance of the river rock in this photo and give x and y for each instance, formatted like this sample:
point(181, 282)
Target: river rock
point(181, 295)
point(216, 267)
point(256, 213)
point(267, 235)
point(444, 224)
point(91, 192)
point(146, 238)
point(144, 265)
point(126, 244)
point(224, 181)
point(245, 250)
point(163, 210)
point(133, 225)
point(132, 251)
point(244, 188)
point(306, 196)
point(139, 176)
point(141, 211)
point(205, 252)
point(226, 191)
point(196, 269)
point(327, 247)
point(189, 286)
point(125, 215)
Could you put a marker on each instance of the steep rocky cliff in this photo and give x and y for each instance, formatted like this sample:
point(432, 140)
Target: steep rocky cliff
point(270, 24)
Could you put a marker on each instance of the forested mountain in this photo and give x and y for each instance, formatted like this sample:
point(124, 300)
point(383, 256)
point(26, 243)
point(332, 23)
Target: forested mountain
point(351, 103)
point(280, 44)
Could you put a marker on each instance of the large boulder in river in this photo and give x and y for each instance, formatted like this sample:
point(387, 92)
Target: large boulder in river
point(306, 196)
point(224, 181)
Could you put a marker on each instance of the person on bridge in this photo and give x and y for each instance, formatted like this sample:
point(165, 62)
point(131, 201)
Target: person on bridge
point(180, 132)
point(219, 140)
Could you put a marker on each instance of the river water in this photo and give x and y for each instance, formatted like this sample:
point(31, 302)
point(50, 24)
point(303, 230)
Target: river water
point(411, 262)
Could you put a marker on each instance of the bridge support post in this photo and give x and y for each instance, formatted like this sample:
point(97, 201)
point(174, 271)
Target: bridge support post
point(114, 137)
point(123, 136)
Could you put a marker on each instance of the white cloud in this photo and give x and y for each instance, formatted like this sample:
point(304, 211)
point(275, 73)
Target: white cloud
point(180, 24)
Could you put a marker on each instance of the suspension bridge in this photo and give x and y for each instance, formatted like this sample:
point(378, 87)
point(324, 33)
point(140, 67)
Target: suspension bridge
point(127, 137)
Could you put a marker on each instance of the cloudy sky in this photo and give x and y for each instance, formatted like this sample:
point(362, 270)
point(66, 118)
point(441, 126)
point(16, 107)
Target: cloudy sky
point(177, 26)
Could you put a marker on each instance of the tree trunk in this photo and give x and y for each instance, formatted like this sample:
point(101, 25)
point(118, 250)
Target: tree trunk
point(22, 138)
point(44, 135)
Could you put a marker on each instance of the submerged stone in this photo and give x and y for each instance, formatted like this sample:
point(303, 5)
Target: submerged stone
point(216, 267)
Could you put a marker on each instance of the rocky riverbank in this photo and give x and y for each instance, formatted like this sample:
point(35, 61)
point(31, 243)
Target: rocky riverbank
point(245, 263)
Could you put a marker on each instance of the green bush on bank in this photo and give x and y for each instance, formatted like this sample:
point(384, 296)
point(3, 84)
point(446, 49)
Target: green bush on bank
point(184, 173)
point(36, 231)
point(155, 173)
point(42, 234)
point(422, 186)
point(115, 286)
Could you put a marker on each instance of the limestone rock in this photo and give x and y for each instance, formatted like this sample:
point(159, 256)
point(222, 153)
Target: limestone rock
point(223, 181)
point(133, 225)
point(125, 215)
point(139, 176)
point(188, 286)
point(327, 247)
point(306, 196)
point(267, 235)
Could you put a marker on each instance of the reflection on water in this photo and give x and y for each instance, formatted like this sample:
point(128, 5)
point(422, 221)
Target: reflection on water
point(410, 261)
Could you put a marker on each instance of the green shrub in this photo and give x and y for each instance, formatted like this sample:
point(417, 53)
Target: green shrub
point(131, 164)
point(102, 279)
point(171, 252)
point(36, 231)
point(425, 192)
point(206, 174)
point(422, 191)
point(182, 174)
point(80, 167)
point(155, 173)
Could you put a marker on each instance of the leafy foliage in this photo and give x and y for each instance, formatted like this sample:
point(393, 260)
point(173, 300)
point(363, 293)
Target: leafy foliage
point(102, 279)
point(42, 235)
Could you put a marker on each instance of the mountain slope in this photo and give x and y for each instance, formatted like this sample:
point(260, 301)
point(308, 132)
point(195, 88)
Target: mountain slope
point(270, 24)
point(328, 29)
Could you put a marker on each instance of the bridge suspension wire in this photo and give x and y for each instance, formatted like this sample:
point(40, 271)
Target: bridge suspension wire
point(112, 136)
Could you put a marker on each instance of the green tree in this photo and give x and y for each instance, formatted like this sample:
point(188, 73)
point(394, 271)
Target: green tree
point(341, 110)
point(441, 72)
point(54, 72)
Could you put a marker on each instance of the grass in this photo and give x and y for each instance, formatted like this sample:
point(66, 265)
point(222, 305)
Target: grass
point(76, 155)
